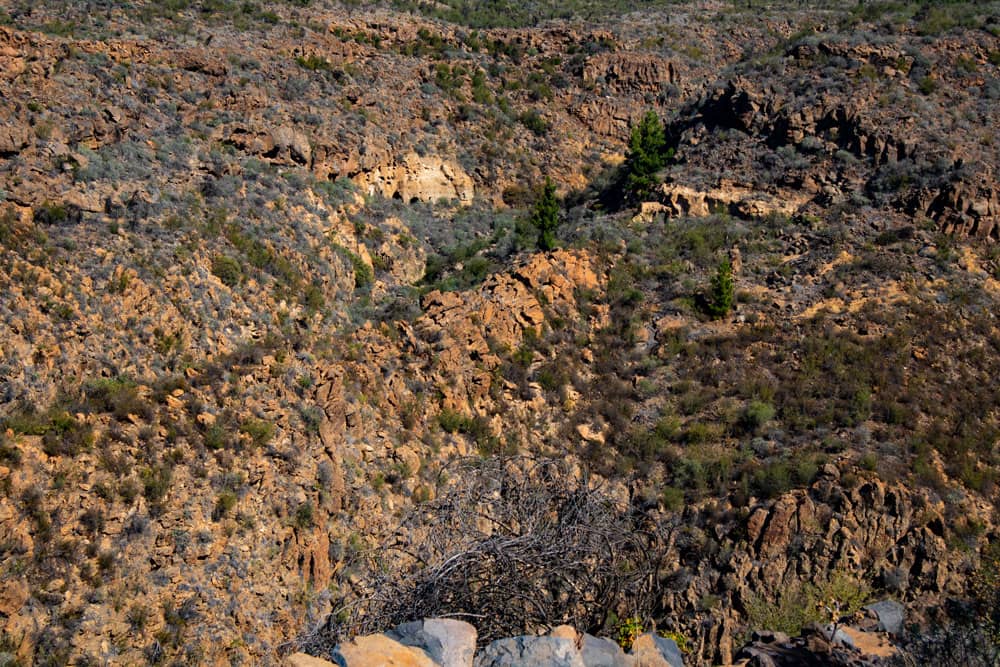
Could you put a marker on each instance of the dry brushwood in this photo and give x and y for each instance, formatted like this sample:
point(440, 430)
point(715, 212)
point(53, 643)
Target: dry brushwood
point(512, 546)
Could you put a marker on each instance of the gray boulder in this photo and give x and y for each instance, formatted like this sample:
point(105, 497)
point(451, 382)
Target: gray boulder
point(652, 650)
point(600, 652)
point(890, 615)
point(530, 652)
point(449, 642)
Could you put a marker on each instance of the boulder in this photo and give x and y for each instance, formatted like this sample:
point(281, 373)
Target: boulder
point(13, 594)
point(449, 642)
point(601, 652)
point(305, 660)
point(889, 614)
point(652, 650)
point(379, 651)
point(14, 138)
point(530, 652)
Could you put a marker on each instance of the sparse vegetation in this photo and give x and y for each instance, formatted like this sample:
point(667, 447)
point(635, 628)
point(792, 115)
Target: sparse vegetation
point(242, 284)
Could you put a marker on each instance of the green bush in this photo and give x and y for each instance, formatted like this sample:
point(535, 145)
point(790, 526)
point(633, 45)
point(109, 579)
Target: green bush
point(756, 415)
point(364, 275)
point(673, 498)
point(119, 396)
point(228, 270)
point(452, 421)
point(304, 516)
point(628, 631)
point(260, 431)
point(839, 595)
point(156, 482)
point(224, 504)
point(534, 122)
point(313, 63)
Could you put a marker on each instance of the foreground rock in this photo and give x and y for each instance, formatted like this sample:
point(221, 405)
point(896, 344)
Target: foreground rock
point(441, 642)
point(451, 643)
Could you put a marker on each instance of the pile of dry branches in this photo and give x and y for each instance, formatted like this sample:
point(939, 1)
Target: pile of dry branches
point(512, 546)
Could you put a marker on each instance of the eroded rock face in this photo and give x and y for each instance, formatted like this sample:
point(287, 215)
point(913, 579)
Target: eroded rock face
point(808, 536)
point(462, 327)
point(416, 178)
point(13, 138)
point(968, 209)
point(680, 200)
point(631, 71)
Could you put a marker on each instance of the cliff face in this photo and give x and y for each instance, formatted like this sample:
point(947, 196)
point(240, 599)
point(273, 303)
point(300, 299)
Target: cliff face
point(268, 277)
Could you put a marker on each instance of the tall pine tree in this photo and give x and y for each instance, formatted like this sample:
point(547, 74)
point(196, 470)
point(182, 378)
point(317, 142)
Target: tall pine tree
point(646, 154)
point(545, 216)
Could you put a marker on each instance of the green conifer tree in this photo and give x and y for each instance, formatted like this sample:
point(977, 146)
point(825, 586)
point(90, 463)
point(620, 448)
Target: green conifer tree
point(545, 216)
point(647, 154)
point(720, 300)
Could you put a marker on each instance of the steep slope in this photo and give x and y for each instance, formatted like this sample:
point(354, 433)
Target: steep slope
point(268, 278)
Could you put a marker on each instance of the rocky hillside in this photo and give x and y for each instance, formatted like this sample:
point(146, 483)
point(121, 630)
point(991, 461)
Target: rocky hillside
point(285, 360)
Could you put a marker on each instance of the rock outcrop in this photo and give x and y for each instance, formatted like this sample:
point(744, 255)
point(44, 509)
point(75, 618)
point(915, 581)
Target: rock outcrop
point(630, 72)
point(416, 178)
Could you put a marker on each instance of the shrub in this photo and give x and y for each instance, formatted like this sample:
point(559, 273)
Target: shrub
point(65, 436)
point(313, 63)
point(119, 396)
point(755, 415)
point(800, 604)
point(452, 421)
point(628, 631)
point(227, 270)
point(534, 122)
point(673, 498)
point(10, 454)
point(215, 437)
point(156, 482)
point(364, 276)
point(304, 516)
point(986, 590)
point(137, 616)
point(260, 431)
point(224, 504)
point(773, 479)
point(515, 549)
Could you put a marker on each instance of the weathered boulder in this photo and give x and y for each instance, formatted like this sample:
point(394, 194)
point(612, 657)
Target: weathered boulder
point(530, 652)
point(652, 650)
point(305, 660)
point(13, 138)
point(449, 642)
point(601, 652)
point(379, 651)
point(890, 615)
